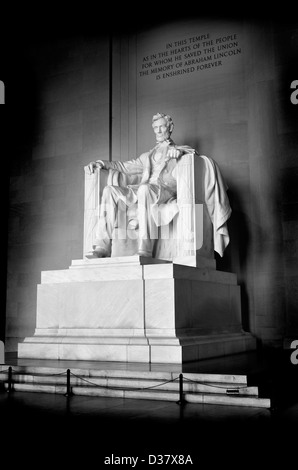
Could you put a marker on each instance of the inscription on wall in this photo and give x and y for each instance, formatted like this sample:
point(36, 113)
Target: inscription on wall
point(189, 55)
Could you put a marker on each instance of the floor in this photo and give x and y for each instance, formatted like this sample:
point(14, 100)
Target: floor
point(84, 430)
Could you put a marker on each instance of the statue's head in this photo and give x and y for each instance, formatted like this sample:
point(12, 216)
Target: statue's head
point(162, 126)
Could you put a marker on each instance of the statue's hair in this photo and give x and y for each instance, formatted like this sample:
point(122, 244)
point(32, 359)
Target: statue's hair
point(168, 119)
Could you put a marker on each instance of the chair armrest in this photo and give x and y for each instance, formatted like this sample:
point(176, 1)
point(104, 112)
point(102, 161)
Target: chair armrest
point(194, 228)
point(94, 185)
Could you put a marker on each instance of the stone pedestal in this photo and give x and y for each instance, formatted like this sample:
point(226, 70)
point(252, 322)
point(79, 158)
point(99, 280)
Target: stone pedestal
point(134, 309)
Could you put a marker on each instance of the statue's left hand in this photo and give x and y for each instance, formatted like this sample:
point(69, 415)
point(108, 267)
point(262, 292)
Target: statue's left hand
point(173, 153)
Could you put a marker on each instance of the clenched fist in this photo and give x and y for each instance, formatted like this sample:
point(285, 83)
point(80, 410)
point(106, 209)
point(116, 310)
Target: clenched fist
point(173, 153)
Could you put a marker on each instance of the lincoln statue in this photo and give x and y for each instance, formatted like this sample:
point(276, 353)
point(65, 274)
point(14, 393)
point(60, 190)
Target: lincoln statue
point(155, 195)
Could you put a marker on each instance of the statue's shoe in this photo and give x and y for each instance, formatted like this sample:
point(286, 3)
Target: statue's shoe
point(97, 253)
point(146, 254)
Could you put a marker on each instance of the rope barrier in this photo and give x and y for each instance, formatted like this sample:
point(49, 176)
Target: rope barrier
point(229, 390)
point(208, 384)
point(54, 375)
point(121, 388)
point(5, 371)
point(158, 385)
point(68, 372)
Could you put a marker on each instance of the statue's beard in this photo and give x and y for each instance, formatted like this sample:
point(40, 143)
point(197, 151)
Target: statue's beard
point(161, 139)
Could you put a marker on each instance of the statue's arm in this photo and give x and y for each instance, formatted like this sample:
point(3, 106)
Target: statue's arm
point(176, 151)
point(134, 166)
point(185, 149)
point(131, 167)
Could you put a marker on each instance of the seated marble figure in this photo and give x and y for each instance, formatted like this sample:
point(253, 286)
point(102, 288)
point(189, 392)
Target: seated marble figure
point(152, 191)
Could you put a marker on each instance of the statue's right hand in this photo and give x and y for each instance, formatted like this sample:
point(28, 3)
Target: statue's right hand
point(93, 165)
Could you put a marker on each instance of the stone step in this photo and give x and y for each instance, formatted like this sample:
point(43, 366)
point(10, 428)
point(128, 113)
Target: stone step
point(199, 398)
point(194, 386)
point(229, 379)
point(155, 385)
point(101, 270)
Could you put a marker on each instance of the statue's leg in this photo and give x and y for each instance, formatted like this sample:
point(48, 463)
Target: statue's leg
point(148, 231)
point(111, 197)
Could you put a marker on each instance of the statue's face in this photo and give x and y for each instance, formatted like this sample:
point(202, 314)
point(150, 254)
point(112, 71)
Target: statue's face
point(161, 130)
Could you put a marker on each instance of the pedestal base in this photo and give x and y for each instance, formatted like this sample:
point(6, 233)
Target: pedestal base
point(151, 350)
point(134, 309)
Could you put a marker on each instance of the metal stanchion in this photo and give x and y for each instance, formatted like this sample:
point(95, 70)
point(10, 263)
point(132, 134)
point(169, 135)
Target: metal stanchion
point(9, 383)
point(68, 387)
point(181, 400)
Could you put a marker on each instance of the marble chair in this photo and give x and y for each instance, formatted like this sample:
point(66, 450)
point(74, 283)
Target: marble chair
point(188, 239)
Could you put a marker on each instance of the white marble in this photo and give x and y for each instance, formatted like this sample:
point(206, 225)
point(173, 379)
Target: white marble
point(39, 350)
point(94, 184)
point(105, 304)
point(229, 379)
point(92, 274)
point(129, 374)
point(98, 392)
point(178, 271)
point(217, 396)
point(202, 348)
point(138, 268)
point(118, 261)
point(182, 304)
point(220, 399)
point(89, 334)
point(129, 310)
point(167, 354)
point(153, 351)
point(160, 303)
point(93, 352)
point(102, 269)
point(107, 338)
point(118, 371)
point(193, 219)
point(191, 239)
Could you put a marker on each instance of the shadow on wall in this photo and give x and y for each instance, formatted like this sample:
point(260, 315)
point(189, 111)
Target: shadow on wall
point(254, 255)
point(235, 258)
point(236, 255)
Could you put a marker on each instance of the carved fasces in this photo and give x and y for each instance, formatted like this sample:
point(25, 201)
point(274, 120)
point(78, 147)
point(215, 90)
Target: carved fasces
point(94, 184)
point(187, 236)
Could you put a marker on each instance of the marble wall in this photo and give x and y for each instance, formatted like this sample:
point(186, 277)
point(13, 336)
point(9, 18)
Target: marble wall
point(66, 123)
